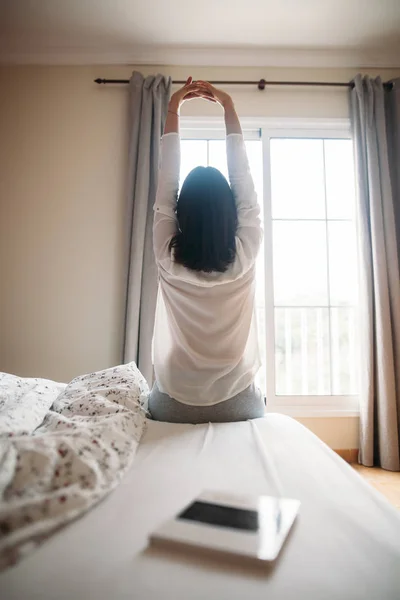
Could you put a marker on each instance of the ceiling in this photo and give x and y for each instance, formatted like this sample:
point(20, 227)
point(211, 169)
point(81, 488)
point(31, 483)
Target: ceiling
point(218, 32)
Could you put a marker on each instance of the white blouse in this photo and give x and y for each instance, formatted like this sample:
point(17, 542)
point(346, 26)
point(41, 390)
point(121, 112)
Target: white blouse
point(205, 346)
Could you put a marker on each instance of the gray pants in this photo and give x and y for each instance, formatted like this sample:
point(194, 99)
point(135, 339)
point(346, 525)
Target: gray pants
point(248, 404)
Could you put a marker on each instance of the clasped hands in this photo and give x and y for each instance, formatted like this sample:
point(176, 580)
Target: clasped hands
point(199, 89)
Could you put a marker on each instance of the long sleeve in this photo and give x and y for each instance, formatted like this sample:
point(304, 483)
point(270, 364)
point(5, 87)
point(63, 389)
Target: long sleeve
point(165, 222)
point(249, 229)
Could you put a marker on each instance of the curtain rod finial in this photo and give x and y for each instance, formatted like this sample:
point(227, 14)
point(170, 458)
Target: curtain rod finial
point(98, 80)
point(261, 84)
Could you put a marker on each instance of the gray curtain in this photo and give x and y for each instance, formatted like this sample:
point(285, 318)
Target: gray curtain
point(392, 107)
point(148, 106)
point(375, 123)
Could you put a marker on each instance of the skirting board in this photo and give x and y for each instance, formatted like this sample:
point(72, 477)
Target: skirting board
point(350, 455)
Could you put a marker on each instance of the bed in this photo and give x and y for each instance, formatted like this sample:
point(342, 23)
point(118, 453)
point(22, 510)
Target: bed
point(345, 544)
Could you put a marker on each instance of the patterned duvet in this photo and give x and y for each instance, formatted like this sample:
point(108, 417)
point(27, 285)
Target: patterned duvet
point(62, 449)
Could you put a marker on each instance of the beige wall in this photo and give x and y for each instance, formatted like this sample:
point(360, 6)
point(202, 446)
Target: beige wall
point(340, 433)
point(62, 183)
point(63, 149)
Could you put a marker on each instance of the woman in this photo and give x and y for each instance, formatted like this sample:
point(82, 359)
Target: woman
point(205, 243)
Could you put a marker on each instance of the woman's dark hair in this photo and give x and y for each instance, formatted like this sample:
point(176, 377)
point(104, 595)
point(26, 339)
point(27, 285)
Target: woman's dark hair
point(207, 219)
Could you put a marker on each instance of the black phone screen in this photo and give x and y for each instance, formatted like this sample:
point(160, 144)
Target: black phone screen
point(222, 516)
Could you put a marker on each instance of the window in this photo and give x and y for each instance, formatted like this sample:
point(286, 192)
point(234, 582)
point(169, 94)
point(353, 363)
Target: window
point(306, 295)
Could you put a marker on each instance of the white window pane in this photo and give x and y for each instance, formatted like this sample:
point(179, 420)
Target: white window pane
point(193, 154)
point(339, 174)
point(344, 351)
point(302, 355)
point(261, 375)
point(217, 159)
point(255, 156)
point(300, 263)
point(297, 179)
point(217, 156)
point(342, 263)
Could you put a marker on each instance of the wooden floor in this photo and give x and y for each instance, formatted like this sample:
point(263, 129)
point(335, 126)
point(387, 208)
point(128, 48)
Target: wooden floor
point(386, 482)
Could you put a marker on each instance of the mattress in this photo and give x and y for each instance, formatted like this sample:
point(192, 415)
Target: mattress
point(345, 544)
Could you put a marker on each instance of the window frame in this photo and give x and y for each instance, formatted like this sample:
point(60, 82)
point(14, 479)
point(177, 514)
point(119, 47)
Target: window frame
point(265, 129)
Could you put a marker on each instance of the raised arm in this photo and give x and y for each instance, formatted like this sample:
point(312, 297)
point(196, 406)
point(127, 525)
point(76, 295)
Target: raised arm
point(165, 223)
point(249, 229)
point(232, 123)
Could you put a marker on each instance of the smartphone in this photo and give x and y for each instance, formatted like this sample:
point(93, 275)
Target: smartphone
point(253, 527)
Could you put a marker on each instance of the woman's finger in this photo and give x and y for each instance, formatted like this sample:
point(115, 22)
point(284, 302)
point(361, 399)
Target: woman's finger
point(204, 90)
point(195, 85)
point(192, 95)
point(205, 84)
point(198, 90)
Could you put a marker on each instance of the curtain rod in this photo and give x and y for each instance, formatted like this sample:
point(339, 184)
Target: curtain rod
point(261, 84)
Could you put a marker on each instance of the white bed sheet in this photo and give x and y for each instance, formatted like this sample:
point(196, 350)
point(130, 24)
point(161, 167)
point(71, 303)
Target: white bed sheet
point(345, 544)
